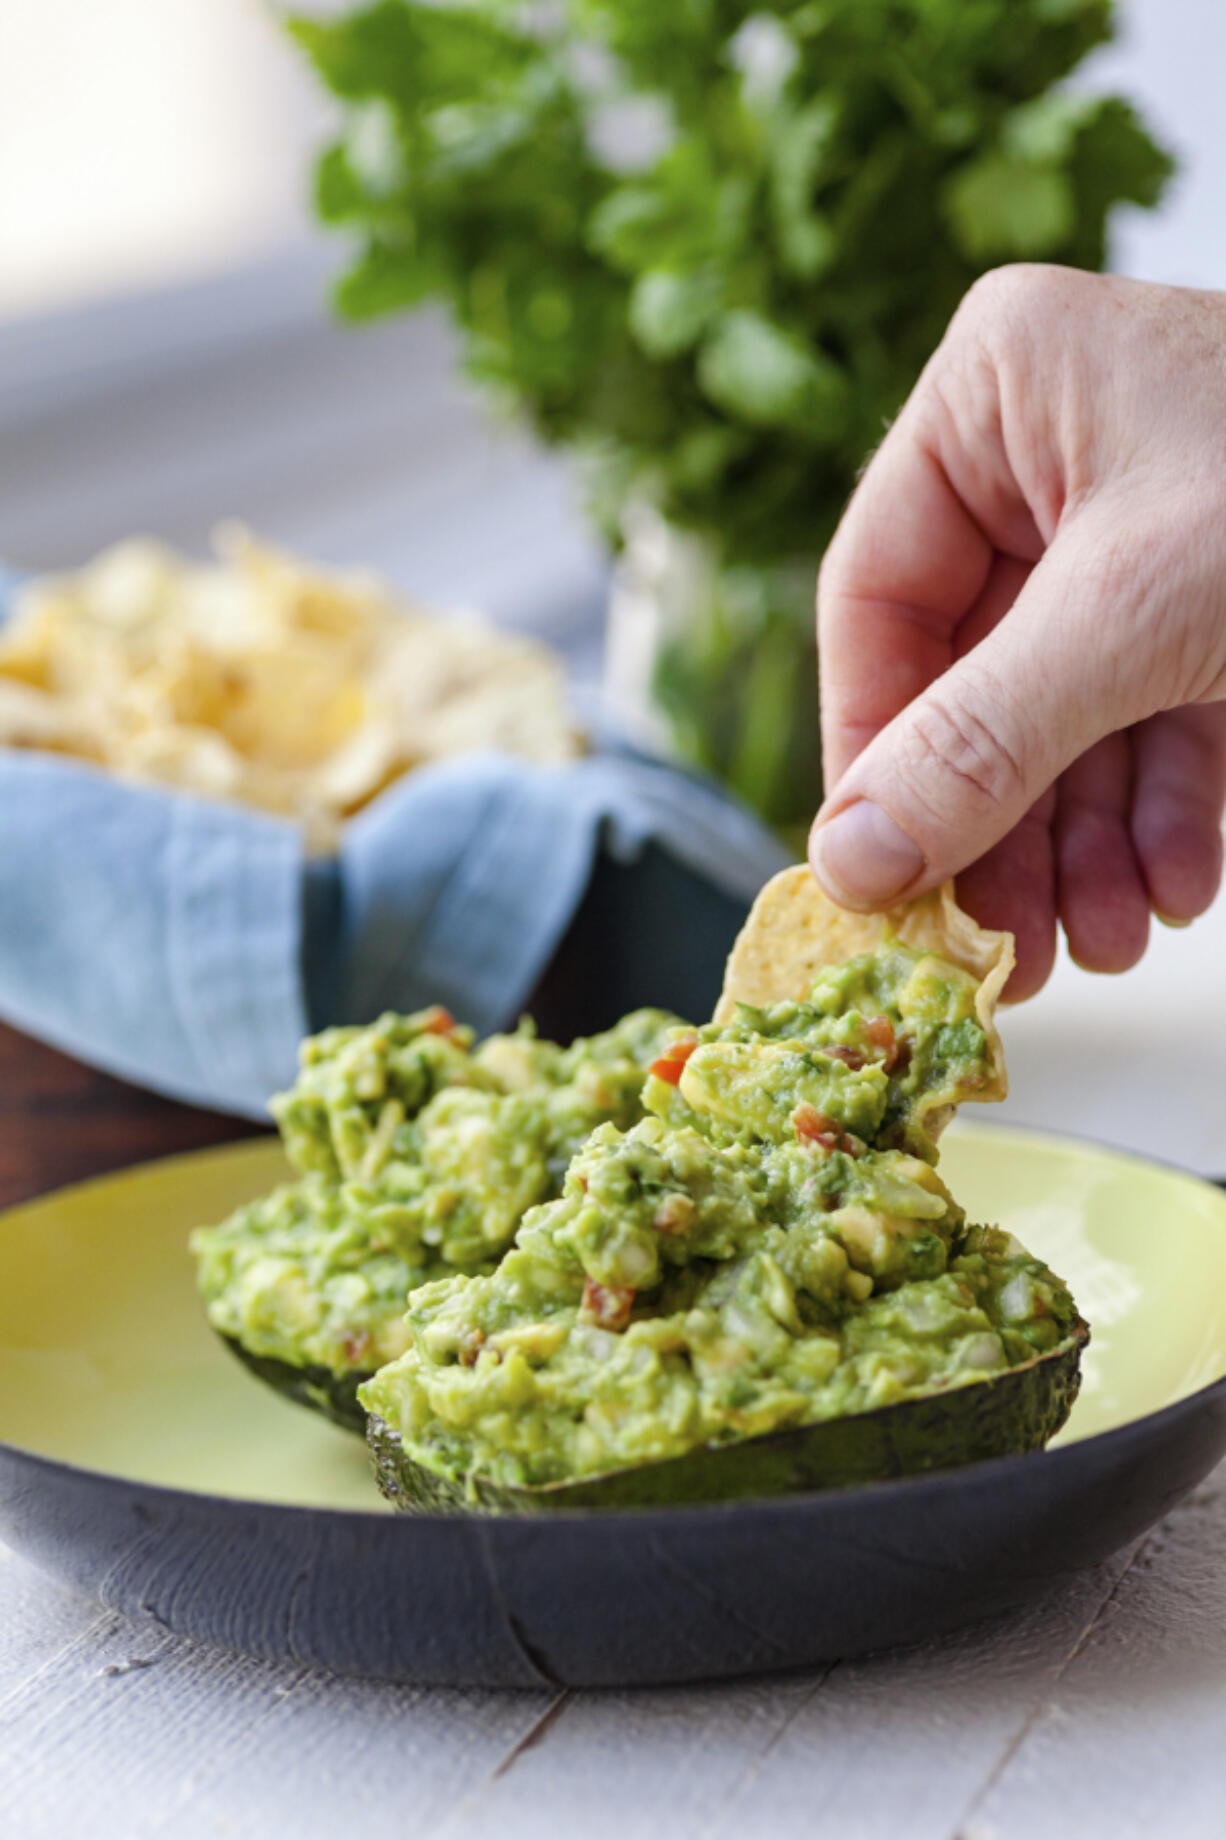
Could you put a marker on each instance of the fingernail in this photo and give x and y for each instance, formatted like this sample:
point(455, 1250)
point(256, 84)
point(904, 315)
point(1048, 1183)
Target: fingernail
point(1170, 920)
point(862, 858)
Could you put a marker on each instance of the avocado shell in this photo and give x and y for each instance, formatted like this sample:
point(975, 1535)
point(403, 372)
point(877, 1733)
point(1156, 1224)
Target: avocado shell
point(1014, 1412)
point(335, 1395)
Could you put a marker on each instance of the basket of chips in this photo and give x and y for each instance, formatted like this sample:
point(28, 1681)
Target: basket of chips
point(243, 799)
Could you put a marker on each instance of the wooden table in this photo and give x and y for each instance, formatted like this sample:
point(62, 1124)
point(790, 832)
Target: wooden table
point(61, 1121)
point(1101, 1713)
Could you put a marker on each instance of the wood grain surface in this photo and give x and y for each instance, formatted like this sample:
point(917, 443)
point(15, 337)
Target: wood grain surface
point(61, 1121)
point(1096, 1714)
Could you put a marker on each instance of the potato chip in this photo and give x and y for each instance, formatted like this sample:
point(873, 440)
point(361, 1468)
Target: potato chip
point(266, 680)
point(795, 930)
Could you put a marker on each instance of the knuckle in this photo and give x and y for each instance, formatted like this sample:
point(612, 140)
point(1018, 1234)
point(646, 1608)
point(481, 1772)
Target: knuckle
point(1019, 289)
point(985, 294)
point(1021, 315)
point(957, 759)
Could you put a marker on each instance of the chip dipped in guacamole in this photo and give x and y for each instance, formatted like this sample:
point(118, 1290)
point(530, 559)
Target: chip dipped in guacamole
point(770, 1251)
point(670, 1263)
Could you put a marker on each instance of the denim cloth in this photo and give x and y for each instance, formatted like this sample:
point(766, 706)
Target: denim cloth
point(188, 945)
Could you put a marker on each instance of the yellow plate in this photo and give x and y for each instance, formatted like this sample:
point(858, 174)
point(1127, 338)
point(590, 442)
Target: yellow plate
point(106, 1361)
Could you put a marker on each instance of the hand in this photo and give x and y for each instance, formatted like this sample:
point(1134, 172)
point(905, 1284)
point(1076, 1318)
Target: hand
point(1022, 623)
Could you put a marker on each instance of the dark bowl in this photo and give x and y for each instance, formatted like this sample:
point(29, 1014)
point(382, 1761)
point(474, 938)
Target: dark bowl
point(143, 1464)
point(608, 1599)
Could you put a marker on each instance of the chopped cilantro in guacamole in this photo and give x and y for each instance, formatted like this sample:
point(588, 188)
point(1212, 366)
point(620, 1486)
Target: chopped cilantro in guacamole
point(770, 1247)
point(419, 1154)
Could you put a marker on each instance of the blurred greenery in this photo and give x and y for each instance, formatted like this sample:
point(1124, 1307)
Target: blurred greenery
point(708, 245)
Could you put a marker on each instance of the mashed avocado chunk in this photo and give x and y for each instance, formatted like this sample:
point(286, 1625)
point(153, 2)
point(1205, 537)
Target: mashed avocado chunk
point(419, 1155)
point(771, 1247)
point(879, 1044)
point(296, 1276)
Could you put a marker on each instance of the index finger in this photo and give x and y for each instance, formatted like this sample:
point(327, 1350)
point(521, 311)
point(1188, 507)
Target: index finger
point(906, 565)
point(914, 553)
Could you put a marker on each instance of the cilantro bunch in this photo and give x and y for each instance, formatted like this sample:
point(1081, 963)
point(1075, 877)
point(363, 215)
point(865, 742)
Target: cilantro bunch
point(708, 245)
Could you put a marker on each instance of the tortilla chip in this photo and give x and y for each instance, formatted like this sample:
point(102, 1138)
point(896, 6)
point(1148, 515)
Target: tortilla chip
point(264, 679)
point(794, 930)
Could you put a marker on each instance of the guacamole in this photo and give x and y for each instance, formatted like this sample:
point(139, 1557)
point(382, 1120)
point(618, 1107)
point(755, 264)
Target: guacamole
point(418, 1154)
point(769, 1247)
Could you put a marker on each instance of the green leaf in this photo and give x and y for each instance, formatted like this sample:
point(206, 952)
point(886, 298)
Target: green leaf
point(401, 49)
point(1114, 161)
point(1043, 132)
point(728, 323)
point(670, 312)
point(631, 227)
point(357, 55)
point(1002, 209)
point(759, 763)
point(752, 369)
point(702, 454)
point(338, 194)
point(384, 281)
point(799, 148)
point(1114, 158)
point(689, 211)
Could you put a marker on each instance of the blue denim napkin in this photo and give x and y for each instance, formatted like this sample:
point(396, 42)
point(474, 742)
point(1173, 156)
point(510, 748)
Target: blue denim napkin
point(189, 945)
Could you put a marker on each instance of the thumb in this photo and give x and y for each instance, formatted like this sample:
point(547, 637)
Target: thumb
point(960, 766)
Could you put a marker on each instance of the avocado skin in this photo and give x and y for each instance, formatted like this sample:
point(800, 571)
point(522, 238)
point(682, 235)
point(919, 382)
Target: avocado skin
point(335, 1395)
point(1015, 1412)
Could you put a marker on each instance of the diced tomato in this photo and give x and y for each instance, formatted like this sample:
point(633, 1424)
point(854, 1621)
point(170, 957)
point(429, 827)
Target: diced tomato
point(440, 1021)
point(813, 1127)
point(607, 1305)
point(880, 1032)
point(358, 1348)
point(879, 1038)
point(671, 1063)
point(850, 1057)
point(896, 1049)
